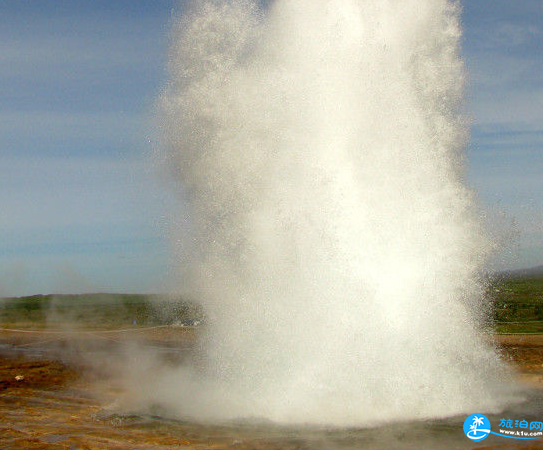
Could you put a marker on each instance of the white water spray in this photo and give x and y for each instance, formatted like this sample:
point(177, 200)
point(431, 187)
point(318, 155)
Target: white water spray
point(334, 246)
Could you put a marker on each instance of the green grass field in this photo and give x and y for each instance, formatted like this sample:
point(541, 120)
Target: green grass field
point(103, 310)
point(517, 305)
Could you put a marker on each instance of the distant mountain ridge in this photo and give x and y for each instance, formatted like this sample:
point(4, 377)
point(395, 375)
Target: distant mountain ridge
point(530, 272)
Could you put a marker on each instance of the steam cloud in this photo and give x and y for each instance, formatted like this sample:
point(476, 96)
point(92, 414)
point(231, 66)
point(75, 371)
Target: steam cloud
point(333, 244)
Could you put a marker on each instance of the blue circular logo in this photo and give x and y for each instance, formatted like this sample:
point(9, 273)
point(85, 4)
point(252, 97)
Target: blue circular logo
point(477, 427)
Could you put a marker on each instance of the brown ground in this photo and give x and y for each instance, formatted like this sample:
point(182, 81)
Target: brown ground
point(48, 404)
point(526, 352)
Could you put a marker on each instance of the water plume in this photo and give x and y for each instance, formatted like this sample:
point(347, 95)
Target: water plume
point(333, 243)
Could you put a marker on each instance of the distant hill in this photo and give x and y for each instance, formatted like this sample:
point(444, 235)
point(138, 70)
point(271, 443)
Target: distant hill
point(531, 272)
point(103, 309)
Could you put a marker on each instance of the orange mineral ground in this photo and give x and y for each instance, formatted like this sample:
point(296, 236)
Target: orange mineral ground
point(56, 394)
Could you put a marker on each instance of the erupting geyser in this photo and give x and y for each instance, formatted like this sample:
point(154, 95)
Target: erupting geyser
point(333, 243)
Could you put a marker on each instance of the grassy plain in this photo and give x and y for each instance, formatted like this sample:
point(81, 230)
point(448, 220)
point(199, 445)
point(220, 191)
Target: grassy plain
point(517, 305)
point(96, 310)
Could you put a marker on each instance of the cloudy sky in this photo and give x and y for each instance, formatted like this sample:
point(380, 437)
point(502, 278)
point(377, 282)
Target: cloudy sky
point(80, 206)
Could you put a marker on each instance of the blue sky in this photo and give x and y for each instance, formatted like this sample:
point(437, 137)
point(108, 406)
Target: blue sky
point(80, 206)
